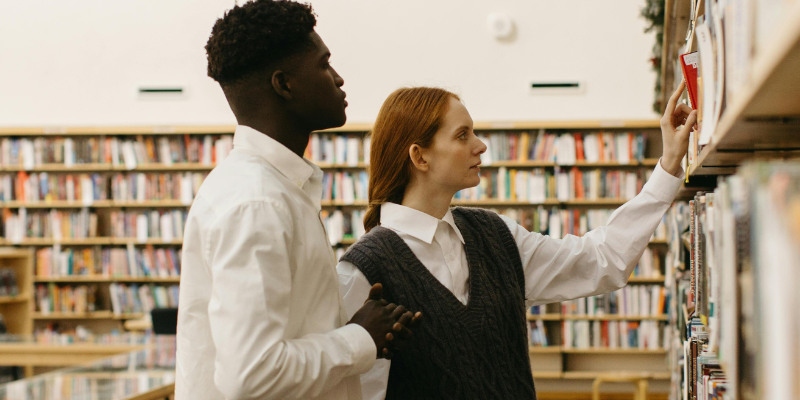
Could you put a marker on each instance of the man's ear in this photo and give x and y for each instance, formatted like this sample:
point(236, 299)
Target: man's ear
point(417, 158)
point(281, 85)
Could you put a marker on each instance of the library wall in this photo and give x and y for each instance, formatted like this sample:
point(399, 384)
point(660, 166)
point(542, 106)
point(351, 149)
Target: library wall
point(88, 58)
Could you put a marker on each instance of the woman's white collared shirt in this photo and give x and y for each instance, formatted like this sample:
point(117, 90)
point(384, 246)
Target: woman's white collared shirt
point(555, 269)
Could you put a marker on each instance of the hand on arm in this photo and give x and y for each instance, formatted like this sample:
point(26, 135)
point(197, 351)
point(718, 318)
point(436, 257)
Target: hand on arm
point(677, 122)
point(388, 324)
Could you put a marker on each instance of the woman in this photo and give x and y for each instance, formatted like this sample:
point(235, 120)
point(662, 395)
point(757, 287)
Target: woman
point(471, 272)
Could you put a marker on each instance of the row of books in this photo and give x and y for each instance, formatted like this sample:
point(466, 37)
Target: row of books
point(349, 224)
point(52, 298)
point(538, 185)
point(150, 186)
point(129, 299)
point(613, 334)
point(8, 282)
point(728, 36)
point(564, 148)
point(142, 225)
point(343, 225)
point(167, 150)
point(48, 224)
point(87, 188)
point(154, 224)
point(534, 186)
point(84, 188)
point(736, 300)
point(346, 187)
point(559, 223)
point(338, 149)
point(633, 301)
point(108, 262)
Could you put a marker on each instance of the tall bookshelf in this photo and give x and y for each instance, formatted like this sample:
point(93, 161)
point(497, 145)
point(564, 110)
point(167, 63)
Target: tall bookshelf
point(556, 368)
point(722, 316)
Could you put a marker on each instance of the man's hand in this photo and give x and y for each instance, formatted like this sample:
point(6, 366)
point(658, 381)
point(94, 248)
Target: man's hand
point(676, 124)
point(388, 324)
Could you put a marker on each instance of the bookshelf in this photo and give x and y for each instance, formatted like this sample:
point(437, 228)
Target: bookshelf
point(732, 321)
point(16, 307)
point(553, 363)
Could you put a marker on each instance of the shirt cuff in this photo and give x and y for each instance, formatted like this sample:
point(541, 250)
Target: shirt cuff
point(362, 346)
point(663, 185)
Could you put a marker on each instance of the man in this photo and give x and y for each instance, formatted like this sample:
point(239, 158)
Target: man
point(261, 316)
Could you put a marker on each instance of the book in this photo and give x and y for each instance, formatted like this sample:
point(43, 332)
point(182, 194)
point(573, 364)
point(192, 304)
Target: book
point(689, 67)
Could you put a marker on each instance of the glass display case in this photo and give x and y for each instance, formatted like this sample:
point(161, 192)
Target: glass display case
point(142, 374)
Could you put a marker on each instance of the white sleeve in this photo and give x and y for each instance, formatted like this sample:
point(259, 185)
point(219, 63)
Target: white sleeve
point(251, 268)
point(354, 287)
point(601, 260)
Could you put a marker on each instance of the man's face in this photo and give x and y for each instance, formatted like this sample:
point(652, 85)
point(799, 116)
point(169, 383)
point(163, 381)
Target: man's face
point(317, 96)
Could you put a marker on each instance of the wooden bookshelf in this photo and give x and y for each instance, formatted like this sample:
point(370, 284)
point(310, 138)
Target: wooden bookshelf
point(547, 375)
point(107, 318)
point(594, 374)
point(761, 122)
point(55, 131)
point(85, 316)
point(613, 317)
point(544, 350)
point(613, 351)
point(104, 279)
point(97, 204)
point(17, 309)
point(649, 162)
point(14, 299)
point(154, 167)
point(544, 317)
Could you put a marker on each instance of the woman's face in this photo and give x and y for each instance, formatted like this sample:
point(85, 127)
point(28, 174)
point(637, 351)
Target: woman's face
point(454, 155)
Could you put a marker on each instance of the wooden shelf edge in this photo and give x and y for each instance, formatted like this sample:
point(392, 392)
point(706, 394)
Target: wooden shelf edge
point(167, 130)
point(593, 375)
point(22, 298)
point(89, 315)
point(104, 279)
point(613, 317)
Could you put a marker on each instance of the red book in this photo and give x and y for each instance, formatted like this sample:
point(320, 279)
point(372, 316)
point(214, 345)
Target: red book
point(578, 146)
point(689, 67)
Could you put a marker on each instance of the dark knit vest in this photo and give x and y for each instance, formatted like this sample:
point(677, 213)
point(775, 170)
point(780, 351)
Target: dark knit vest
point(478, 351)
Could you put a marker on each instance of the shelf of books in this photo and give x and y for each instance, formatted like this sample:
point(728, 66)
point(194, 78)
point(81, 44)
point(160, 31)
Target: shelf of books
point(732, 249)
point(740, 64)
point(103, 210)
point(732, 271)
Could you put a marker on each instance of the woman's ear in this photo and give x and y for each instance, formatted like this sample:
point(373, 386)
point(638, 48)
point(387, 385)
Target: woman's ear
point(417, 158)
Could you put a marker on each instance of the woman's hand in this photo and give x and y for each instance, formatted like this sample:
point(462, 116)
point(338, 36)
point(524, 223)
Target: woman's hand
point(676, 124)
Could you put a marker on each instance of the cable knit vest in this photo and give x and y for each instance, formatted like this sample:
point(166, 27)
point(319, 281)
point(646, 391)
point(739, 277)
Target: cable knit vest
point(474, 351)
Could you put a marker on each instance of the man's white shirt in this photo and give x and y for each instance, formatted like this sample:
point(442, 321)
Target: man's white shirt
point(260, 313)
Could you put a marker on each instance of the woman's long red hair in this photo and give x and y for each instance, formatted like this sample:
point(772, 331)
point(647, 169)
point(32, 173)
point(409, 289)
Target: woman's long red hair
point(408, 116)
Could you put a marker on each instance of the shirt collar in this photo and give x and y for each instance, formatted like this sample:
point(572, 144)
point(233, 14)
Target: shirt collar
point(295, 168)
point(413, 222)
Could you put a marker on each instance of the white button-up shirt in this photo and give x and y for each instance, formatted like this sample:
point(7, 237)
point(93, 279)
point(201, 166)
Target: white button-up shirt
point(555, 270)
point(260, 312)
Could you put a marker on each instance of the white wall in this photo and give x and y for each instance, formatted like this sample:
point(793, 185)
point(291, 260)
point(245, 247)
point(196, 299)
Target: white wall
point(79, 62)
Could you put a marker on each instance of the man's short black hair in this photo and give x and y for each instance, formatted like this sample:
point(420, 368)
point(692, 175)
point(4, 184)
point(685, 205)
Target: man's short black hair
point(253, 36)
